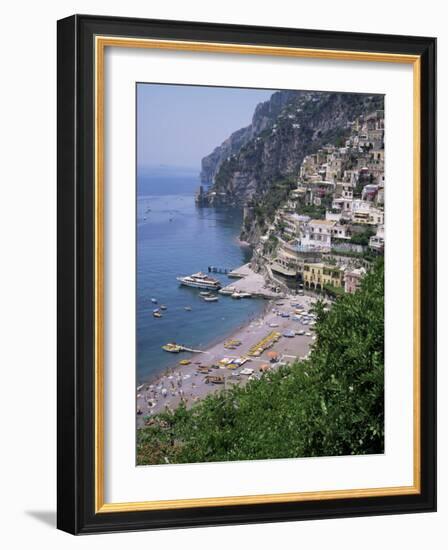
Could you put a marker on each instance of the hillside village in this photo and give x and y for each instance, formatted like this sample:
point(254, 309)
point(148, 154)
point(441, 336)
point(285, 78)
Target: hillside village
point(330, 228)
point(308, 174)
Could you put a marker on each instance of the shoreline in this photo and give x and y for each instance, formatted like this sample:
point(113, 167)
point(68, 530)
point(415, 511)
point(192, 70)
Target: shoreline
point(167, 389)
point(215, 342)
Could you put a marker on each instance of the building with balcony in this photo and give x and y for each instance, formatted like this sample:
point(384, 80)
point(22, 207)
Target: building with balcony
point(316, 276)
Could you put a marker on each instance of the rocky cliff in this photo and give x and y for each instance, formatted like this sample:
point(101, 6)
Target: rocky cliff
point(284, 130)
point(264, 115)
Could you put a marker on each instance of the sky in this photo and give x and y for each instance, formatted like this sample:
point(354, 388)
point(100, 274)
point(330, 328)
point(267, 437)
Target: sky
point(179, 125)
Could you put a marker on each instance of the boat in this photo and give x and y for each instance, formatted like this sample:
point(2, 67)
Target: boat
point(289, 334)
point(204, 294)
point(153, 300)
point(239, 294)
point(187, 308)
point(235, 275)
point(184, 362)
point(246, 371)
point(172, 347)
point(157, 314)
point(232, 344)
point(210, 298)
point(200, 280)
point(162, 307)
point(228, 290)
point(203, 370)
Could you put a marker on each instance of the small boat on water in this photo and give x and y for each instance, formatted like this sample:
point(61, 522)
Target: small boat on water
point(153, 300)
point(162, 307)
point(172, 347)
point(157, 314)
point(204, 294)
point(210, 298)
point(187, 308)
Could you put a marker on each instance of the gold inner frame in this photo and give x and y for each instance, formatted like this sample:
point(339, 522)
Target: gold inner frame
point(101, 42)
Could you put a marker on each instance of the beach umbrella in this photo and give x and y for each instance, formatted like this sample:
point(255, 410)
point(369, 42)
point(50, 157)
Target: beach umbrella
point(264, 368)
point(272, 354)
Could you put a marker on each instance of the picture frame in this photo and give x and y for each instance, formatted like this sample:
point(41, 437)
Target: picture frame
point(82, 42)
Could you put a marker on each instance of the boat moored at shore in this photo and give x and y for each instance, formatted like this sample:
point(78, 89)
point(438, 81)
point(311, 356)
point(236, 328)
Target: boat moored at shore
point(200, 280)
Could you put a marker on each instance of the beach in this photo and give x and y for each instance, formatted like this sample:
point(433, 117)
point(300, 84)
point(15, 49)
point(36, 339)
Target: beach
point(216, 367)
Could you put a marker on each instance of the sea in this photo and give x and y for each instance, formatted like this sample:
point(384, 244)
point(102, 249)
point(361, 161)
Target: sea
point(175, 237)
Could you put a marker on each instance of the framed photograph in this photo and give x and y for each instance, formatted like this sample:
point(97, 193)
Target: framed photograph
point(246, 274)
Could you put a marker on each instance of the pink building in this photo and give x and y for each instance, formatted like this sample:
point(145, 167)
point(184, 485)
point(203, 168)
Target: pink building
point(353, 279)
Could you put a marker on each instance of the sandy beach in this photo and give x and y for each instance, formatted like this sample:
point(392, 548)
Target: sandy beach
point(191, 382)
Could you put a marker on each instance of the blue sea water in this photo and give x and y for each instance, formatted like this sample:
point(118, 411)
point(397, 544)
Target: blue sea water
point(175, 237)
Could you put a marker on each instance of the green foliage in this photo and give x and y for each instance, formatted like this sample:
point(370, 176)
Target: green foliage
point(267, 205)
point(334, 291)
point(225, 172)
point(315, 212)
point(331, 404)
point(362, 237)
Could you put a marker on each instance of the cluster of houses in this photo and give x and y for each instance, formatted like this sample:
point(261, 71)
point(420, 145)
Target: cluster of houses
point(333, 221)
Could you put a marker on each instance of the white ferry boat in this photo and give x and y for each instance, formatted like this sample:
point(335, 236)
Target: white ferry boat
point(200, 280)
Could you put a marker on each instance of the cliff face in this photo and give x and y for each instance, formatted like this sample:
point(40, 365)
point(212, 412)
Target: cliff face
point(283, 131)
point(263, 116)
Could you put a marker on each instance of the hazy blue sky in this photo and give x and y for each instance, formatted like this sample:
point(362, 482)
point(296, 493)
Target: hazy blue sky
point(179, 125)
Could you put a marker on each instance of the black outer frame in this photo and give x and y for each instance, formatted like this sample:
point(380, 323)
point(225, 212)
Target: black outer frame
point(75, 403)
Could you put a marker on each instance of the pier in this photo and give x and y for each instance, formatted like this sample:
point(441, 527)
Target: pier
point(252, 283)
point(223, 270)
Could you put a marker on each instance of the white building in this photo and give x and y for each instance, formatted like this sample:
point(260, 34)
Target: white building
point(318, 233)
point(376, 242)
